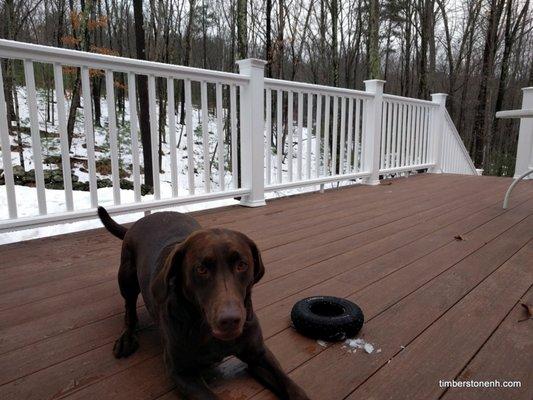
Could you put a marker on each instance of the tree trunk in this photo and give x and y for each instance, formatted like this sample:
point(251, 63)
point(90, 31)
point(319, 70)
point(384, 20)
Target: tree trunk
point(468, 63)
point(96, 87)
point(74, 105)
point(242, 35)
point(426, 15)
point(322, 43)
point(357, 47)
point(373, 43)
point(280, 48)
point(432, 48)
point(481, 125)
point(142, 91)
point(97, 94)
point(204, 36)
point(334, 42)
point(407, 56)
point(19, 136)
point(530, 78)
point(187, 55)
point(7, 64)
point(268, 40)
point(509, 38)
point(387, 50)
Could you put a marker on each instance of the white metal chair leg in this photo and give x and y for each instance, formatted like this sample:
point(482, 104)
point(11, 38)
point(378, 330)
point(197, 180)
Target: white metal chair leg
point(508, 194)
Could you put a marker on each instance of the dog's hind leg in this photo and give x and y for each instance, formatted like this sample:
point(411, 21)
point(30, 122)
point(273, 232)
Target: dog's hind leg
point(127, 343)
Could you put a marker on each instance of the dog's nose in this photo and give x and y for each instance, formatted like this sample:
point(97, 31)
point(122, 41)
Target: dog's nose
point(229, 319)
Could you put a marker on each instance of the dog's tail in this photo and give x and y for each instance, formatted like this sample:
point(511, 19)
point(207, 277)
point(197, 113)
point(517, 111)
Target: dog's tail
point(110, 224)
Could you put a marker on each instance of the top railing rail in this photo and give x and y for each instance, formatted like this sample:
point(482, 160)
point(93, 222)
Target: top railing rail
point(46, 54)
point(313, 88)
point(409, 100)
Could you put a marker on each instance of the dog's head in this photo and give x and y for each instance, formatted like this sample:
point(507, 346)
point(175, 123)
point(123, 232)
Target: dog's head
point(215, 270)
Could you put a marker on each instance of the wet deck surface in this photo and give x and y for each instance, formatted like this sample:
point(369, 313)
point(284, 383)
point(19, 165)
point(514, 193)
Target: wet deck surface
point(437, 266)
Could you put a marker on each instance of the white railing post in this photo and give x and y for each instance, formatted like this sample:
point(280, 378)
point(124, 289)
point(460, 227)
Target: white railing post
point(252, 132)
point(524, 153)
point(372, 133)
point(439, 119)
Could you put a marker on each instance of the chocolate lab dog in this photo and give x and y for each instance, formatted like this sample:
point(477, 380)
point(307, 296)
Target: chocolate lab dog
point(196, 284)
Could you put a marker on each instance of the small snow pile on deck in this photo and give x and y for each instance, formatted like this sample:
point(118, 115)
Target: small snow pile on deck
point(353, 344)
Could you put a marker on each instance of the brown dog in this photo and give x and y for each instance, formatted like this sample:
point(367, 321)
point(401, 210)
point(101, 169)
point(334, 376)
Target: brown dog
point(196, 284)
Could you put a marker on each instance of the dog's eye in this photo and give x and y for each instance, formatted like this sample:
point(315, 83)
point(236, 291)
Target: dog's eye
point(242, 266)
point(202, 270)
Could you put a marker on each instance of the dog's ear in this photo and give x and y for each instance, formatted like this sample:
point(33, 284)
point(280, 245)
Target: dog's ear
point(259, 268)
point(168, 275)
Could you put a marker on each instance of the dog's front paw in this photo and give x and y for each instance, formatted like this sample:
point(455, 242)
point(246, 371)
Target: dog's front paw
point(125, 345)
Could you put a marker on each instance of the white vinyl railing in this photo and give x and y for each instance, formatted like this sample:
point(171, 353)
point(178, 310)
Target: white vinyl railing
point(110, 65)
point(455, 157)
point(312, 134)
point(243, 135)
point(406, 141)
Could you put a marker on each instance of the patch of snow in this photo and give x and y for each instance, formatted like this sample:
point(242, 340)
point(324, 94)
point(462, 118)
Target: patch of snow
point(369, 348)
point(353, 344)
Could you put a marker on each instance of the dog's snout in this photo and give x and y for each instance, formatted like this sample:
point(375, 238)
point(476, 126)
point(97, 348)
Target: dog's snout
point(229, 318)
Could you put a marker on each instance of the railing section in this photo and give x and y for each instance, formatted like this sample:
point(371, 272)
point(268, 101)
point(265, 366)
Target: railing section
point(197, 160)
point(313, 134)
point(213, 135)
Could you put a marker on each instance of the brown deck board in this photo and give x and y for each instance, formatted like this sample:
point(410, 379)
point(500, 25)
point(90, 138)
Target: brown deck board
point(390, 248)
point(514, 336)
point(444, 348)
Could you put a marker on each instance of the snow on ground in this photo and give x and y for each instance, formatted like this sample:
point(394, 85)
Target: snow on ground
point(352, 345)
point(50, 146)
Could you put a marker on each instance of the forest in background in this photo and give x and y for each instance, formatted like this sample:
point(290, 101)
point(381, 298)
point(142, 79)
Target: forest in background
point(480, 52)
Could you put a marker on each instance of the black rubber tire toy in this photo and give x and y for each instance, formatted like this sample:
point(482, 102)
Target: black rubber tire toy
point(327, 318)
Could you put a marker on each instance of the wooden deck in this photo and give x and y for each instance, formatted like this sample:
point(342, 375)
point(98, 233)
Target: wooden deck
point(437, 266)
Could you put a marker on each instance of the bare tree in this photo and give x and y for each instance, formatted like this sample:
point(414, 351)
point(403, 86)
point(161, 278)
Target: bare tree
point(142, 91)
point(242, 46)
point(373, 41)
point(268, 39)
point(481, 121)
